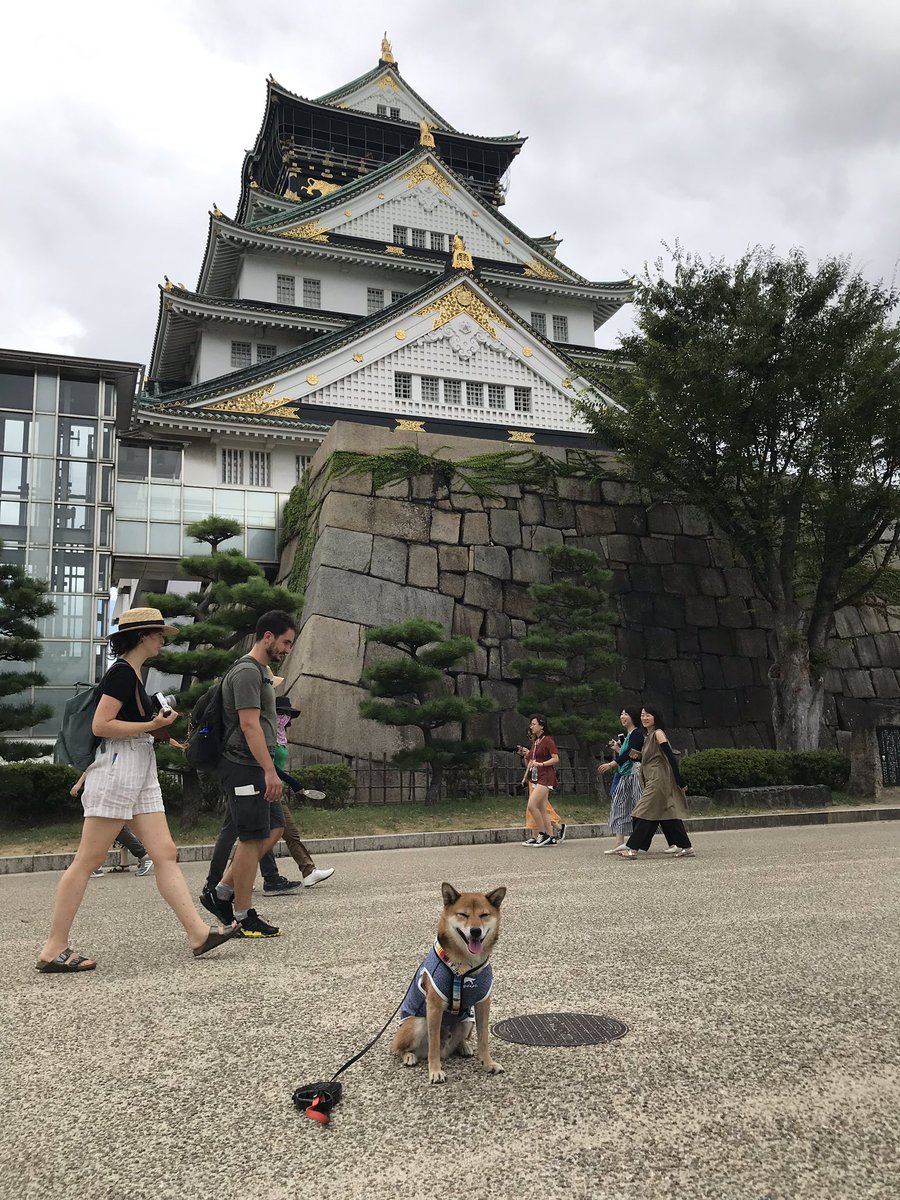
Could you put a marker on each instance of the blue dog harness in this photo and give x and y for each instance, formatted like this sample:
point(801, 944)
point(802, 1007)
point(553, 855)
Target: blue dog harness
point(460, 991)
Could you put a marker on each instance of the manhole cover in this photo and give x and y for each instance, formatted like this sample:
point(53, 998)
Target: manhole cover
point(560, 1029)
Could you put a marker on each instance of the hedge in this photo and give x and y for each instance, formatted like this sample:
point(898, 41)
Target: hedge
point(37, 793)
point(14, 751)
point(709, 770)
point(334, 779)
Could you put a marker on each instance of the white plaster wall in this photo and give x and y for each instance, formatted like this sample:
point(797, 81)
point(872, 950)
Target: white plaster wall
point(581, 318)
point(369, 97)
point(215, 346)
point(343, 285)
point(426, 207)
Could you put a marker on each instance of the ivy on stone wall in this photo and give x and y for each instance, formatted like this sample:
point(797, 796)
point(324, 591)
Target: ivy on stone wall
point(299, 520)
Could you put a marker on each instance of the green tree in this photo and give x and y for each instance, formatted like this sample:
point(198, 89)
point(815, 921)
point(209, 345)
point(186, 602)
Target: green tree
point(567, 675)
point(766, 394)
point(22, 602)
point(407, 691)
point(234, 594)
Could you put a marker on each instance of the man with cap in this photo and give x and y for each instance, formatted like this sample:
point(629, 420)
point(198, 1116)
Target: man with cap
point(311, 874)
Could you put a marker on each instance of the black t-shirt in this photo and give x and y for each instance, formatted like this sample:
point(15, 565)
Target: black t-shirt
point(122, 682)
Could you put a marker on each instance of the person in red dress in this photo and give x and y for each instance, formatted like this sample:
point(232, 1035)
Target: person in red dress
point(541, 762)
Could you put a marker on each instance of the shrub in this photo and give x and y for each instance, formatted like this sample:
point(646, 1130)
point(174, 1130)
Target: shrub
point(334, 779)
point(37, 793)
point(710, 770)
point(20, 751)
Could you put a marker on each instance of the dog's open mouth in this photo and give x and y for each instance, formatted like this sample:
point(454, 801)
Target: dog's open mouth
point(475, 945)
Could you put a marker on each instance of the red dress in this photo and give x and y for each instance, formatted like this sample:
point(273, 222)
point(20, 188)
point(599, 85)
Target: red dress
point(542, 750)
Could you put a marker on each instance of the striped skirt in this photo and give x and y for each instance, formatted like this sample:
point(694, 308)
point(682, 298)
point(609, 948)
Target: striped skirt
point(625, 795)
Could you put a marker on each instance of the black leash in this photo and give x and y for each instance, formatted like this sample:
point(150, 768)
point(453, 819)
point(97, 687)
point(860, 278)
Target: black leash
point(318, 1099)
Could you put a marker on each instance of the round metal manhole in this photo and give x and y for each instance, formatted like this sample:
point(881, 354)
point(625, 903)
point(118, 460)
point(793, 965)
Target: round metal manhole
point(560, 1029)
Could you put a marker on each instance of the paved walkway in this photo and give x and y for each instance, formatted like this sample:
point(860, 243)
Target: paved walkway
point(759, 982)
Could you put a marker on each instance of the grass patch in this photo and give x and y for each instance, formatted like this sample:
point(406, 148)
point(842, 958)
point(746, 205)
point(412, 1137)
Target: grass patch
point(490, 812)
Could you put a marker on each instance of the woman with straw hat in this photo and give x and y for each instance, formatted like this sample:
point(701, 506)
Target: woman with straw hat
point(121, 785)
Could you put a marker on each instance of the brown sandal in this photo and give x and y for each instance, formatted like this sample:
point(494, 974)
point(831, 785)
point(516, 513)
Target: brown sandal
point(65, 964)
point(216, 937)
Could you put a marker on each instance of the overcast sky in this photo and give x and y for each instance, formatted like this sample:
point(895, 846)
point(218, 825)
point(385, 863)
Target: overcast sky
point(720, 123)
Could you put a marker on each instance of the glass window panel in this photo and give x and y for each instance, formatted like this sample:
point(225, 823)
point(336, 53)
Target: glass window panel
point(109, 399)
point(230, 504)
point(261, 545)
point(17, 390)
point(560, 329)
point(43, 478)
point(75, 481)
point(106, 485)
point(165, 463)
point(14, 477)
point(72, 571)
point(165, 502)
point(78, 397)
point(73, 524)
point(131, 537)
point(15, 434)
point(43, 440)
point(107, 443)
point(77, 438)
point(539, 321)
point(103, 562)
point(198, 503)
point(39, 525)
point(73, 619)
point(45, 394)
point(38, 560)
point(104, 537)
point(134, 462)
point(68, 662)
point(56, 698)
point(15, 556)
point(261, 508)
point(13, 520)
point(131, 500)
point(165, 539)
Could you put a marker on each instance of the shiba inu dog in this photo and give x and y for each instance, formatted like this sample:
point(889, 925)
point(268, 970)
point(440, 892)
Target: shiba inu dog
point(451, 993)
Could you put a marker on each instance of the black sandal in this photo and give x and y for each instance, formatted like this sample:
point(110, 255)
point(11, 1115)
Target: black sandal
point(215, 938)
point(65, 964)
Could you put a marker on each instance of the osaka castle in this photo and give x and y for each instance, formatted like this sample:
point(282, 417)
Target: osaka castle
point(369, 273)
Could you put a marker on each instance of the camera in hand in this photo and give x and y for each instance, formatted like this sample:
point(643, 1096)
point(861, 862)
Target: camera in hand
point(165, 703)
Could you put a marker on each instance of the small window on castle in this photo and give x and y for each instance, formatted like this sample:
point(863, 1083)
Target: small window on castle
point(302, 462)
point(395, 296)
point(381, 110)
point(285, 289)
point(560, 329)
point(475, 395)
point(522, 399)
point(437, 241)
point(452, 391)
point(233, 466)
point(241, 354)
point(539, 321)
point(374, 300)
point(402, 385)
point(431, 390)
point(496, 396)
point(417, 237)
point(399, 235)
point(395, 114)
point(312, 293)
point(264, 352)
point(258, 467)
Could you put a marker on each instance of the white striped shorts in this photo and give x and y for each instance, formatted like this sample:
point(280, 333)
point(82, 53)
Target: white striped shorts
point(121, 782)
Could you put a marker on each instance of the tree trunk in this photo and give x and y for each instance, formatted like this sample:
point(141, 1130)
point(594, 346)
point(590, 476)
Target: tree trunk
point(192, 800)
point(435, 779)
point(798, 690)
point(586, 761)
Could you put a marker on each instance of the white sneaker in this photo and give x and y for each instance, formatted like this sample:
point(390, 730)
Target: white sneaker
point(145, 866)
point(98, 874)
point(671, 850)
point(614, 849)
point(317, 876)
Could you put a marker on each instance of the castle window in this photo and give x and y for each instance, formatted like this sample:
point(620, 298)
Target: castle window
point(395, 114)
point(430, 389)
point(302, 463)
point(258, 467)
point(539, 321)
point(452, 391)
point(374, 300)
point(233, 466)
point(496, 395)
point(474, 395)
point(312, 293)
point(382, 110)
point(264, 352)
point(241, 354)
point(395, 296)
point(402, 385)
point(399, 235)
point(522, 399)
point(285, 289)
point(437, 241)
point(560, 329)
point(418, 238)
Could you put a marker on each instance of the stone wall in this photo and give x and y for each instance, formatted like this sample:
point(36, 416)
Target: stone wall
point(693, 635)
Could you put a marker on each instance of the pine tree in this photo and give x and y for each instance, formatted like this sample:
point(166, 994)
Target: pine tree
point(567, 678)
point(234, 595)
point(22, 602)
point(406, 691)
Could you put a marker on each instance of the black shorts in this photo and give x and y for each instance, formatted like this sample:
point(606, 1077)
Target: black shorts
point(244, 786)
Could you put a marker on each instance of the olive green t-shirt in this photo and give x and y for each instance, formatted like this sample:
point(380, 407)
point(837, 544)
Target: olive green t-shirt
point(248, 685)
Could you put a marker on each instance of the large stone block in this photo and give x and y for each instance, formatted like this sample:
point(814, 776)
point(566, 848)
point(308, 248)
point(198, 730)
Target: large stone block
point(331, 720)
point(344, 548)
point(661, 644)
point(430, 487)
point(529, 567)
point(462, 501)
point(497, 625)
point(340, 510)
point(559, 514)
point(867, 652)
point(637, 608)
point(645, 577)
point(663, 518)
point(452, 585)
point(396, 518)
point(445, 527)
point(453, 558)
point(621, 547)
point(328, 648)
point(389, 559)
point(369, 601)
point(669, 611)
point(694, 521)
point(631, 519)
point(720, 552)
point(753, 643)
point(506, 694)
point(717, 641)
point(658, 549)
point(680, 579)
point(738, 672)
point(483, 592)
point(493, 561)
point(394, 491)
point(517, 602)
point(591, 519)
point(692, 550)
point(506, 529)
point(888, 649)
point(739, 581)
point(423, 566)
point(531, 509)
point(582, 491)
point(733, 612)
point(616, 492)
point(700, 611)
point(475, 529)
point(711, 581)
point(542, 536)
point(467, 621)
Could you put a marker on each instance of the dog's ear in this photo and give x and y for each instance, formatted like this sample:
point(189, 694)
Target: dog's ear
point(449, 893)
point(496, 896)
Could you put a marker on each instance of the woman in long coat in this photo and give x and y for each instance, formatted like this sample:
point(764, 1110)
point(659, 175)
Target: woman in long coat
point(663, 791)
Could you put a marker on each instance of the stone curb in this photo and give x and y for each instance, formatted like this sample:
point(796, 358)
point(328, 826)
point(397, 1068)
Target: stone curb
point(484, 837)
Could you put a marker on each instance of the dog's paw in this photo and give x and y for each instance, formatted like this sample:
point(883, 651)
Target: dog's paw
point(437, 1077)
point(409, 1059)
point(465, 1049)
point(493, 1067)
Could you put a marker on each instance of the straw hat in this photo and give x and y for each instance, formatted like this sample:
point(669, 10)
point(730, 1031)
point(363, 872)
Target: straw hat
point(142, 620)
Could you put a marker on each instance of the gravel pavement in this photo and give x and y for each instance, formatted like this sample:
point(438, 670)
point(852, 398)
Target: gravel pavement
point(759, 982)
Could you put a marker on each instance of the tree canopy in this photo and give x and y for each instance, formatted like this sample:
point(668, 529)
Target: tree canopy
point(22, 602)
point(766, 393)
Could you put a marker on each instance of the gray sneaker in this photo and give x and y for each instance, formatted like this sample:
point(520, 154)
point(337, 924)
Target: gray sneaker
point(145, 866)
point(98, 874)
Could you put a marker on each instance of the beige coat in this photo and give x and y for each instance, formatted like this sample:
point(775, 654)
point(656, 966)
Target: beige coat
point(661, 797)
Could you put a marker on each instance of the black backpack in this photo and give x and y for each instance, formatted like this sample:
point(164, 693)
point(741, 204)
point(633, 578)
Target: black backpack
point(207, 735)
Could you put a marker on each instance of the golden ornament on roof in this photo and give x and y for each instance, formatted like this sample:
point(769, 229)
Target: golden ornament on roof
point(462, 259)
point(387, 54)
point(462, 299)
point(426, 138)
point(408, 426)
